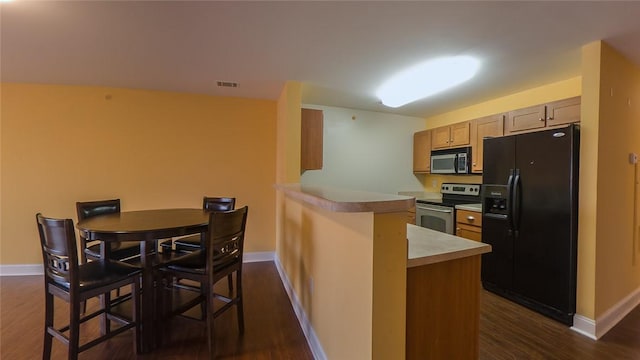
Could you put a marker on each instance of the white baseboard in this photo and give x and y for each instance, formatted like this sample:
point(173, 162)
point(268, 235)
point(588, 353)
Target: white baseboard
point(21, 270)
point(37, 269)
point(307, 329)
point(258, 256)
point(596, 329)
point(585, 326)
point(616, 313)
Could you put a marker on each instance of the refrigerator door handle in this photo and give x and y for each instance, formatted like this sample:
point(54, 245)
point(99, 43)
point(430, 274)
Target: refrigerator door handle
point(515, 202)
point(509, 207)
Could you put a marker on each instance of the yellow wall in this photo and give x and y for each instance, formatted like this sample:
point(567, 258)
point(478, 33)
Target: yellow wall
point(555, 91)
point(289, 129)
point(617, 257)
point(62, 144)
point(587, 197)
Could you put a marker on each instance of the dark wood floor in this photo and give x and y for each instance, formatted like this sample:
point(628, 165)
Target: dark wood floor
point(271, 327)
point(507, 330)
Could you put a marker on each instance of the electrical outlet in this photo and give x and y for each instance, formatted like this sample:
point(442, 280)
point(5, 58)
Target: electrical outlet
point(434, 183)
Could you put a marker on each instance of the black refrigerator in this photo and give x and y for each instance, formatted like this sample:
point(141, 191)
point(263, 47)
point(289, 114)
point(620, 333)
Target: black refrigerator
point(530, 218)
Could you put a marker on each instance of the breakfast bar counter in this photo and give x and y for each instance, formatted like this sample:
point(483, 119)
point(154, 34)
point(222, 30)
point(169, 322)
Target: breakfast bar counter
point(367, 285)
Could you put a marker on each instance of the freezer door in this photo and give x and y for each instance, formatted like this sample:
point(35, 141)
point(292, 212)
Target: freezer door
point(545, 221)
point(498, 159)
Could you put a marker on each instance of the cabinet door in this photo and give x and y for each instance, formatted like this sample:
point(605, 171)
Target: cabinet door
point(460, 134)
point(311, 140)
point(469, 232)
point(563, 112)
point(523, 120)
point(422, 152)
point(440, 137)
point(489, 126)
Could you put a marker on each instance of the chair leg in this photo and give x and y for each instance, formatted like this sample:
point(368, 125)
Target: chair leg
point(135, 298)
point(48, 322)
point(211, 339)
point(74, 329)
point(230, 281)
point(105, 323)
point(239, 304)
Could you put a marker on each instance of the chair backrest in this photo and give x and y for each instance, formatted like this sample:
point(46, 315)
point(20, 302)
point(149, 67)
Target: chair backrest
point(226, 235)
point(89, 209)
point(218, 203)
point(59, 249)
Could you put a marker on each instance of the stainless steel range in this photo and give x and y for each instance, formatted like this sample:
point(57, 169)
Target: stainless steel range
point(440, 214)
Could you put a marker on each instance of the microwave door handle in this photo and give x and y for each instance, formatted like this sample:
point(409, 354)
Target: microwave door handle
point(455, 163)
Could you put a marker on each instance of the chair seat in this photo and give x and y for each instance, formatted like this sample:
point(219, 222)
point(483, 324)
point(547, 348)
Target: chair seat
point(189, 243)
point(121, 250)
point(195, 262)
point(99, 273)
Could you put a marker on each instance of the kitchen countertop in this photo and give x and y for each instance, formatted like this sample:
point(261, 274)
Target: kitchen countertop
point(341, 200)
point(422, 195)
point(470, 207)
point(428, 246)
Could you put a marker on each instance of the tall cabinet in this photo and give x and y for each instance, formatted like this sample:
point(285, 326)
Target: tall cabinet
point(422, 151)
point(488, 126)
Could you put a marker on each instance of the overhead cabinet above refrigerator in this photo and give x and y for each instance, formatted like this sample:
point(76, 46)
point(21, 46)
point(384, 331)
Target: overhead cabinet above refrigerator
point(530, 192)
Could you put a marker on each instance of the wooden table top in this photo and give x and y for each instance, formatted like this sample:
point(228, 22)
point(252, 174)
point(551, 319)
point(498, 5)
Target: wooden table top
point(144, 225)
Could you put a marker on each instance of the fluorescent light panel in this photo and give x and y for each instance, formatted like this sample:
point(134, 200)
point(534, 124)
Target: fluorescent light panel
point(426, 79)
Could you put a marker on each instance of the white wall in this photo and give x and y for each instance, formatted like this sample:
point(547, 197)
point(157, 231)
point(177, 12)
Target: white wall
point(374, 152)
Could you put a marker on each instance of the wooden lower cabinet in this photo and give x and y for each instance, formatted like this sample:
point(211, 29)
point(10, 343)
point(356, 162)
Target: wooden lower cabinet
point(411, 216)
point(443, 310)
point(469, 224)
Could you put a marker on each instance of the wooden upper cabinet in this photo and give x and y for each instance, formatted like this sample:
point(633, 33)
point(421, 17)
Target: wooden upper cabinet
point(311, 140)
point(460, 134)
point(488, 126)
point(455, 135)
point(543, 116)
point(440, 137)
point(422, 151)
point(526, 119)
point(563, 112)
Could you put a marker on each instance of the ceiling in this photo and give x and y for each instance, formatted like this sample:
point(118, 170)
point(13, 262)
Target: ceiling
point(340, 51)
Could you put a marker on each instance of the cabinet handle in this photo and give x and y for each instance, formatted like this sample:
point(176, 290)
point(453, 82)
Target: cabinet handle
point(470, 218)
point(541, 119)
point(550, 118)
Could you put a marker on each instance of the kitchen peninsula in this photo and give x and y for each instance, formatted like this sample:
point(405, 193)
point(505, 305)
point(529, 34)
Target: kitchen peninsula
point(351, 262)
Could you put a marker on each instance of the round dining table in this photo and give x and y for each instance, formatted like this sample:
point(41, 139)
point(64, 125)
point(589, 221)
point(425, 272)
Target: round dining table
point(145, 227)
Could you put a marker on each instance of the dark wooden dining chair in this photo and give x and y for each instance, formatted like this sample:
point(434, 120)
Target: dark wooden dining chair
point(221, 256)
point(91, 249)
point(193, 242)
point(74, 283)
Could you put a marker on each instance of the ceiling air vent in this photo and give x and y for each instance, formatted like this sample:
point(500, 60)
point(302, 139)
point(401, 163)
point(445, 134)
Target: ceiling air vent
point(229, 84)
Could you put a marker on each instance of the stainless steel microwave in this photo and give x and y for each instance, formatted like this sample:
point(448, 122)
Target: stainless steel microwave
point(451, 161)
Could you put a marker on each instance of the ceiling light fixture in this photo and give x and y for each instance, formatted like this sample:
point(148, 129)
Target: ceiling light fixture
point(426, 79)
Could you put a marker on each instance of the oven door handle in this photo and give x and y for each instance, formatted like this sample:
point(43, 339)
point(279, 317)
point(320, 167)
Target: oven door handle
point(437, 210)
